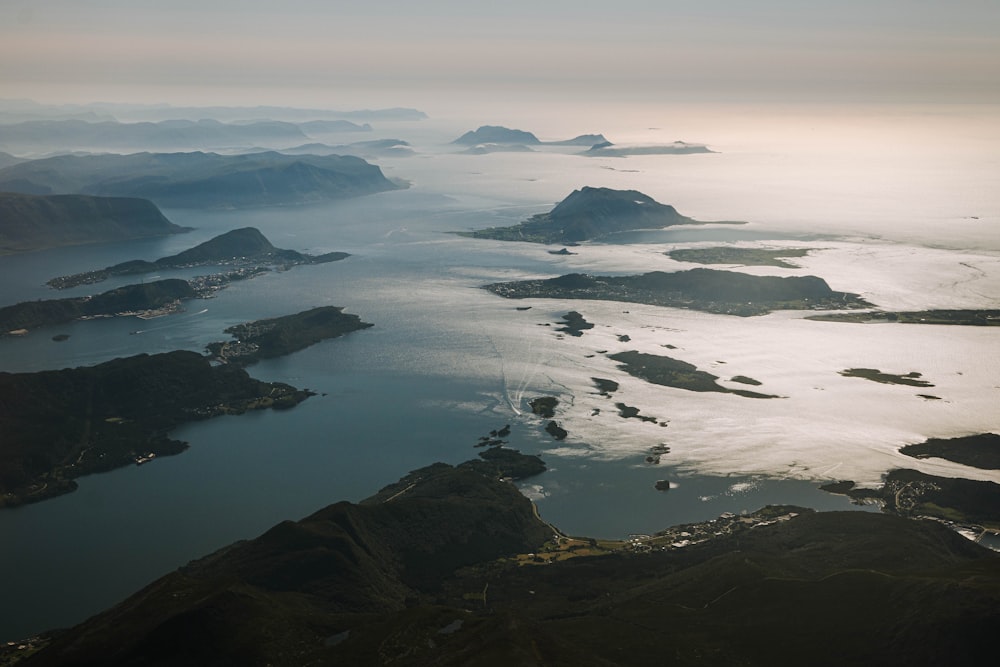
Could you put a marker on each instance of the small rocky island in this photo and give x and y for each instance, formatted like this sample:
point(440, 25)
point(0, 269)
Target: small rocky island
point(709, 290)
point(242, 248)
point(60, 425)
point(592, 213)
point(265, 339)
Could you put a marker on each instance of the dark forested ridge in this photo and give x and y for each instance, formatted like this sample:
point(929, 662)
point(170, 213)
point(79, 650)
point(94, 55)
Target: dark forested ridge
point(452, 567)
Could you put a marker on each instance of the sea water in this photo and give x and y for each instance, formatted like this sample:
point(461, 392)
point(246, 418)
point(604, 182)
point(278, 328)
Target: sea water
point(890, 207)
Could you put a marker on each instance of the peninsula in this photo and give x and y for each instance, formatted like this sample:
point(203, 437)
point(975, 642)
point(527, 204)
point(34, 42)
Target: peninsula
point(709, 290)
point(63, 424)
point(143, 300)
point(245, 247)
point(911, 493)
point(34, 222)
point(979, 451)
point(591, 213)
point(451, 566)
point(276, 337)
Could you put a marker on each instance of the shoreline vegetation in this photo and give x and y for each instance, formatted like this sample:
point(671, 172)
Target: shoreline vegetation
point(61, 425)
point(708, 290)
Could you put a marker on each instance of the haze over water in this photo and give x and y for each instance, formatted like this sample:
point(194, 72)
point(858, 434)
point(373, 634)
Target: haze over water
point(895, 201)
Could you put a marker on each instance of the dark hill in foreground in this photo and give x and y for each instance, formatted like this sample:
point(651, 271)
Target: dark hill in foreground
point(30, 222)
point(590, 213)
point(193, 180)
point(424, 573)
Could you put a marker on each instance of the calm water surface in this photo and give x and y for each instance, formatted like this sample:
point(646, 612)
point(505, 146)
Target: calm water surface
point(445, 363)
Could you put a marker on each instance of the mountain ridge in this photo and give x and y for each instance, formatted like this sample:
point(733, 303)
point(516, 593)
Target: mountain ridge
point(35, 222)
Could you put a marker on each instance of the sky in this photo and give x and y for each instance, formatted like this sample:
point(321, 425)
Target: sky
point(395, 52)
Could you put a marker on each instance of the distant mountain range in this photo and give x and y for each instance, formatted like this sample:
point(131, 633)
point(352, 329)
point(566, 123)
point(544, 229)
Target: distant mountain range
point(32, 137)
point(20, 110)
point(200, 179)
point(372, 148)
point(31, 222)
point(590, 213)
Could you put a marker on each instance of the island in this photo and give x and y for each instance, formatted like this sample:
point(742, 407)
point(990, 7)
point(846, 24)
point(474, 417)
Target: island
point(976, 318)
point(608, 149)
point(979, 451)
point(145, 300)
point(496, 134)
point(709, 290)
point(201, 180)
point(243, 248)
point(739, 256)
point(592, 213)
point(35, 222)
point(60, 425)
point(875, 375)
point(276, 337)
point(452, 566)
point(675, 373)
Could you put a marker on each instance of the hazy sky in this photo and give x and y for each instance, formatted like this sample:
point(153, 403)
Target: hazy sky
point(395, 51)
